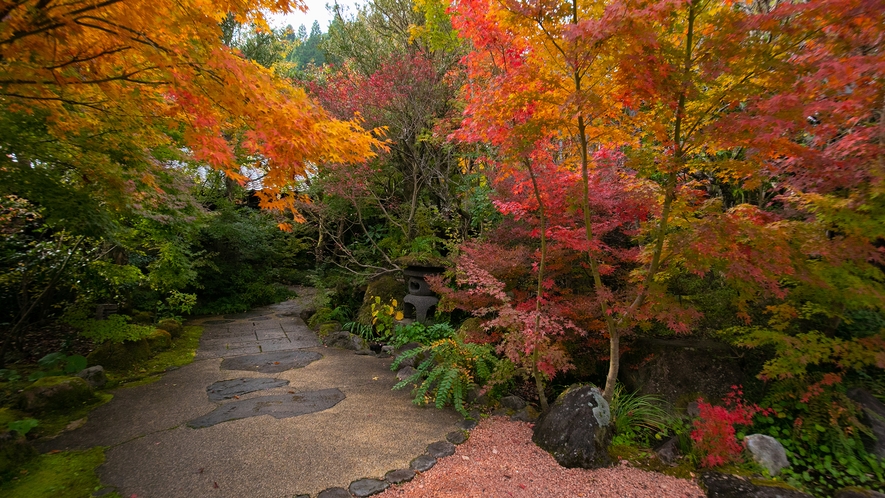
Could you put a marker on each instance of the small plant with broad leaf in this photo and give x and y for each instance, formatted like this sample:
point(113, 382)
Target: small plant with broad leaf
point(23, 427)
point(383, 316)
point(450, 369)
point(58, 363)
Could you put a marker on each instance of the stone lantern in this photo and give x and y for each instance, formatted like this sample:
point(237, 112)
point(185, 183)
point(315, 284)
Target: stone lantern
point(420, 296)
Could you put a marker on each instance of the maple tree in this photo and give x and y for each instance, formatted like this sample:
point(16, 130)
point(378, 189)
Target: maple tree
point(676, 92)
point(144, 75)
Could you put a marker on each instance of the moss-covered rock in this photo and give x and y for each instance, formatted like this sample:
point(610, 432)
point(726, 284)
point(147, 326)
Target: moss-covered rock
point(15, 451)
point(56, 393)
point(328, 328)
point(387, 288)
point(319, 317)
point(8, 415)
point(143, 318)
point(119, 356)
point(856, 492)
point(160, 340)
point(172, 326)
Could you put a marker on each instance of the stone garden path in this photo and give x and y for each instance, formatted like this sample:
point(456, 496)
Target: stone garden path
point(264, 411)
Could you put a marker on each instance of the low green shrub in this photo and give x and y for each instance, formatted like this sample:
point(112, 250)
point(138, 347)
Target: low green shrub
point(821, 430)
point(420, 333)
point(116, 328)
point(636, 418)
point(450, 370)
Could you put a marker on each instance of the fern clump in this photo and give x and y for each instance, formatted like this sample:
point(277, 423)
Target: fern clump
point(450, 369)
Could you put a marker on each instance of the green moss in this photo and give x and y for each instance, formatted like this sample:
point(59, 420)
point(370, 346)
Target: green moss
point(319, 317)
point(54, 422)
point(180, 354)
point(172, 326)
point(54, 381)
point(62, 475)
point(387, 288)
point(772, 484)
point(119, 356)
point(160, 340)
point(327, 328)
point(645, 459)
point(13, 454)
point(8, 415)
point(56, 394)
point(143, 318)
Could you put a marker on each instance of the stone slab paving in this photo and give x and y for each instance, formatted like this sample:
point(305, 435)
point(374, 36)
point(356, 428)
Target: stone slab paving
point(326, 420)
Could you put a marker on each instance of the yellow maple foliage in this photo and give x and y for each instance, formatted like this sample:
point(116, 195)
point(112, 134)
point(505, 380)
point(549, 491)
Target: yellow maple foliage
point(158, 72)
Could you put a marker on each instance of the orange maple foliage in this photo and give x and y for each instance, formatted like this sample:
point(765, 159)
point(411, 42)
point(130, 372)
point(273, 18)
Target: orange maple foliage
point(158, 70)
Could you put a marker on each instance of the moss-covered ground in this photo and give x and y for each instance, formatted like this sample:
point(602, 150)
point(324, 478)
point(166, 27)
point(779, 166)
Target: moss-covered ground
point(72, 474)
point(180, 354)
point(69, 474)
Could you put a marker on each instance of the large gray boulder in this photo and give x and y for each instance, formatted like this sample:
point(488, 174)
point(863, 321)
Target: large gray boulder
point(874, 418)
point(575, 430)
point(767, 452)
point(94, 376)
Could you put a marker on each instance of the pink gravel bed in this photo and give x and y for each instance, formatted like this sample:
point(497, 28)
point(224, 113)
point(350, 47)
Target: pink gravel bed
point(500, 460)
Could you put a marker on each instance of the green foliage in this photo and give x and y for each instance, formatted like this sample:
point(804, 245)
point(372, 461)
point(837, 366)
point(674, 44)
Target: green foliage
point(796, 354)
point(360, 329)
point(176, 304)
point(637, 418)
point(451, 368)
point(58, 363)
point(383, 316)
point(180, 354)
point(22, 427)
point(244, 252)
point(420, 333)
point(9, 374)
point(820, 428)
point(308, 50)
point(116, 328)
point(69, 474)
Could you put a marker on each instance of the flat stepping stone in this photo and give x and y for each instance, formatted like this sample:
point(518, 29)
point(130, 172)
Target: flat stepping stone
point(440, 449)
point(456, 437)
point(423, 463)
point(261, 318)
point(217, 322)
point(367, 487)
point(248, 314)
point(399, 476)
point(227, 389)
point(466, 424)
point(274, 362)
point(278, 406)
point(335, 493)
